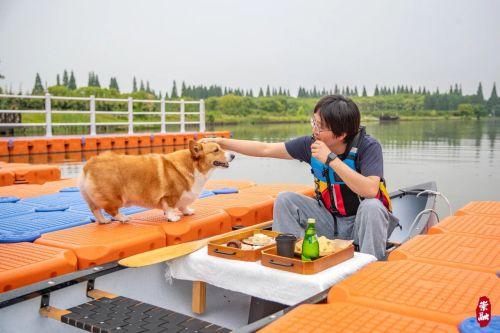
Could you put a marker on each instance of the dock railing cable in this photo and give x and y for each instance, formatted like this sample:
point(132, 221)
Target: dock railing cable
point(49, 124)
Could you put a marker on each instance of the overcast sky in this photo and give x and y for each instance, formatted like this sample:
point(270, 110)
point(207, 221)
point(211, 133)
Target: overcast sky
point(249, 44)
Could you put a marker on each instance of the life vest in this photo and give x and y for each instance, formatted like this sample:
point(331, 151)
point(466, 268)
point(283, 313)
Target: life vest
point(329, 187)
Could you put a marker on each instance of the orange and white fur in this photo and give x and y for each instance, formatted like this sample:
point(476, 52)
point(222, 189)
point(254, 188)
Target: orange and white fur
point(171, 182)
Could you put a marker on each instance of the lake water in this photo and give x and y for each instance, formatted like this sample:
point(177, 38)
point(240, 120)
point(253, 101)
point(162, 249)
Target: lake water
point(462, 156)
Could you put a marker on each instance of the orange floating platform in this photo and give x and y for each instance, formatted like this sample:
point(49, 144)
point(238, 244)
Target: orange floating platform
point(22, 264)
point(431, 292)
point(33, 190)
point(470, 225)
point(213, 184)
point(7, 177)
point(205, 222)
point(274, 189)
point(468, 252)
point(245, 209)
point(347, 317)
point(61, 144)
point(96, 244)
point(487, 208)
point(32, 174)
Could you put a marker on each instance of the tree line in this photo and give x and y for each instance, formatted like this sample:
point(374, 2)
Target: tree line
point(384, 98)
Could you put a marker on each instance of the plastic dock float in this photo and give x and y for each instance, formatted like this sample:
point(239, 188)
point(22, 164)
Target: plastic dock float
point(487, 208)
point(275, 189)
point(467, 252)
point(62, 144)
point(469, 225)
point(347, 317)
point(245, 209)
point(205, 222)
point(22, 264)
point(96, 244)
point(432, 292)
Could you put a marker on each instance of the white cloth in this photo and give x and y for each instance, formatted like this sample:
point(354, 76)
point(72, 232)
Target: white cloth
point(254, 279)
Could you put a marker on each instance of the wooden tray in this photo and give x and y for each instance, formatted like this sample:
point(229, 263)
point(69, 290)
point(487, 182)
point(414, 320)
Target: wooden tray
point(296, 265)
point(218, 249)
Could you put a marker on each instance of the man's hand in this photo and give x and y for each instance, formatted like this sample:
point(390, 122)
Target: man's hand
point(320, 151)
point(205, 140)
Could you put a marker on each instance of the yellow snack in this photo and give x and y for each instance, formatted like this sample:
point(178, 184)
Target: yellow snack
point(326, 246)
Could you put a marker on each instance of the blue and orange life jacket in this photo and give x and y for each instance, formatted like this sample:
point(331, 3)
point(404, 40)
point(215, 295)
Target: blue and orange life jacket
point(330, 188)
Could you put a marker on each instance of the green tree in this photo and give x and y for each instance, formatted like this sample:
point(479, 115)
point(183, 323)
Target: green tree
point(268, 91)
point(183, 89)
point(38, 88)
point(92, 80)
point(494, 96)
point(141, 88)
point(65, 78)
point(134, 85)
point(376, 93)
point(493, 102)
point(174, 94)
point(58, 80)
point(113, 84)
point(479, 93)
point(261, 92)
point(72, 82)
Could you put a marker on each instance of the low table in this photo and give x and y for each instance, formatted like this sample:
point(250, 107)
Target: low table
point(256, 280)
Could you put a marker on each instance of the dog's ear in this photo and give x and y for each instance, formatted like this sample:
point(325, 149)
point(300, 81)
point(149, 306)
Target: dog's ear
point(195, 149)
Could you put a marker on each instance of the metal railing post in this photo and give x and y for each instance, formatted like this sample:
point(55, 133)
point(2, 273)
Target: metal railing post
point(48, 116)
point(92, 116)
point(162, 115)
point(202, 115)
point(130, 116)
point(183, 117)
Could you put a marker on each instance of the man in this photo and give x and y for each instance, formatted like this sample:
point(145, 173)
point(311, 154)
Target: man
point(347, 167)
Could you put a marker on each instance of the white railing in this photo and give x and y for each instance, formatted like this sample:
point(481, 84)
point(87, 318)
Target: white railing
point(49, 124)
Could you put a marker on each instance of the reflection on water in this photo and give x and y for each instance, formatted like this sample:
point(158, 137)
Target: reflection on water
point(463, 157)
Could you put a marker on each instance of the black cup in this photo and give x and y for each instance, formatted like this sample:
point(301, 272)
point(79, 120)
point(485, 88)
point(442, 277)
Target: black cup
point(285, 244)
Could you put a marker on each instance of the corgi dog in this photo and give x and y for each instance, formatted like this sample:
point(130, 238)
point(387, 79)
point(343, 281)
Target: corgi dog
point(171, 182)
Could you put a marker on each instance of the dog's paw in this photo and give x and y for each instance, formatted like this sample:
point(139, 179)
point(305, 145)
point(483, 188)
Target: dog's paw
point(104, 221)
point(187, 211)
point(173, 218)
point(122, 218)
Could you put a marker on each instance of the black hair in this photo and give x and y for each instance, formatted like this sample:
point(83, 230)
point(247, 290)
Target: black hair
point(340, 114)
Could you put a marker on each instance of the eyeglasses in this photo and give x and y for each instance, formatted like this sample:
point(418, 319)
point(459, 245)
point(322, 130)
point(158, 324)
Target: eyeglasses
point(316, 128)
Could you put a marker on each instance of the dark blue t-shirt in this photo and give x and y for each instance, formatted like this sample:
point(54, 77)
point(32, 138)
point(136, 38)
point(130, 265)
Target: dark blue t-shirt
point(369, 161)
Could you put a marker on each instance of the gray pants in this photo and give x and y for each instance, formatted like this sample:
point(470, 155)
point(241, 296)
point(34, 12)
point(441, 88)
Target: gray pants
point(368, 228)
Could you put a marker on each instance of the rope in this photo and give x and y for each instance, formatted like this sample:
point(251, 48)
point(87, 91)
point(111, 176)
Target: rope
point(439, 194)
point(428, 210)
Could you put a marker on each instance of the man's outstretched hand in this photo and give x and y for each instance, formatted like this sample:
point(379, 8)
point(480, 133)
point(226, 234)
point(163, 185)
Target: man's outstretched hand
point(205, 140)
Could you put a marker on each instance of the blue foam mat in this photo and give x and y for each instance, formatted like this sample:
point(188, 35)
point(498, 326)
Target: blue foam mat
point(470, 325)
point(23, 228)
point(9, 209)
point(225, 190)
point(61, 198)
point(84, 209)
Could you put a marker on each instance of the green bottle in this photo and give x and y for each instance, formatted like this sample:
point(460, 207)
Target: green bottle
point(310, 245)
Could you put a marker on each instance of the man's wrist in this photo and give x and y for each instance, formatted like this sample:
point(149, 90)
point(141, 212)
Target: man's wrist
point(331, 157)
point(221, 142)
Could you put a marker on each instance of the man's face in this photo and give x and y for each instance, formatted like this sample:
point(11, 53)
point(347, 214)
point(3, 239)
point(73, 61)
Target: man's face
point(323, 133)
